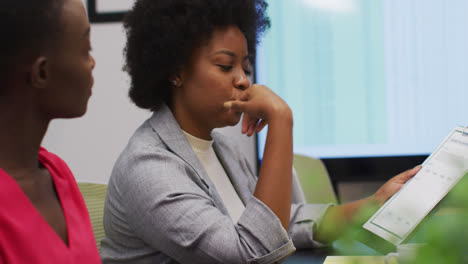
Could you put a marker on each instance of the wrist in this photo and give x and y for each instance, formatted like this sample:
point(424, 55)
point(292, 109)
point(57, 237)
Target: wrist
point(282, 114)
point(374, 200)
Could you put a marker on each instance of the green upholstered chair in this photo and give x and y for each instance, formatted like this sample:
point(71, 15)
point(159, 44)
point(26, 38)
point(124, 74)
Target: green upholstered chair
point(314, 180)
point(94, 195)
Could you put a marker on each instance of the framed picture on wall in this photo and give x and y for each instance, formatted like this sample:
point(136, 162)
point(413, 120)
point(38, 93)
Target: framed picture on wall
point(106, 11)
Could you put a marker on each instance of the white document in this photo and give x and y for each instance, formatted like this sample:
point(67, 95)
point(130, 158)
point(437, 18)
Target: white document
point(441, 171)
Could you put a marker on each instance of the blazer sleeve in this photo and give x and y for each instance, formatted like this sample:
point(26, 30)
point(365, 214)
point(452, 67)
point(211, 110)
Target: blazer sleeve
point(305, 218)
point(170, 208)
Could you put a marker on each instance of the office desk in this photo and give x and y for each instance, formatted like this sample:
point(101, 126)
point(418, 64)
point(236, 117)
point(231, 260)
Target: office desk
point(311, 257)
point(318, 255)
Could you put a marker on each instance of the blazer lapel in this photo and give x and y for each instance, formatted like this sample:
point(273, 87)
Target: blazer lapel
point(243, 183)
point(168, 129)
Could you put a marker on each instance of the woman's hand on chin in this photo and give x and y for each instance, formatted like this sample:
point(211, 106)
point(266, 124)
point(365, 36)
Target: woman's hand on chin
point(261, 106)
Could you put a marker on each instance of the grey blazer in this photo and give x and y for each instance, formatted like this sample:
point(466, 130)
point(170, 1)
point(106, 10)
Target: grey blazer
point(161, 206)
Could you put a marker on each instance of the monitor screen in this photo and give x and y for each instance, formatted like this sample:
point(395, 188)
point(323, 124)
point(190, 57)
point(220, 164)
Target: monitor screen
point(382, 78)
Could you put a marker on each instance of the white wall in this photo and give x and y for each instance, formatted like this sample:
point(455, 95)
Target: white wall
point(91, 144)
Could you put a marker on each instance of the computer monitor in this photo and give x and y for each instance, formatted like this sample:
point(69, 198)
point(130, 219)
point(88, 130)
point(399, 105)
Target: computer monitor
point(374, 85)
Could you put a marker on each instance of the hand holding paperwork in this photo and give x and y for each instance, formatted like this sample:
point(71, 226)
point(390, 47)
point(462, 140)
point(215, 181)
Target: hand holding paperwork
point(441, 171)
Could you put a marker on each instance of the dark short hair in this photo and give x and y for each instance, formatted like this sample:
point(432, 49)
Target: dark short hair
point(162, 34)
point(27, 26)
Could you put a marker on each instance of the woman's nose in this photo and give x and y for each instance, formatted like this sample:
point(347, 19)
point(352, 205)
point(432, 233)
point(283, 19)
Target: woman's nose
point(241, 80)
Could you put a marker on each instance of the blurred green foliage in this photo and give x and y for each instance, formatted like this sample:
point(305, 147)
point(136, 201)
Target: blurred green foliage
point(444, 233)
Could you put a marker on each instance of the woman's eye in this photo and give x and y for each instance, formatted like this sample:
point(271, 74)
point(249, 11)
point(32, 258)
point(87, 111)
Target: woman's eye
point(225, 68)
point(247, 72)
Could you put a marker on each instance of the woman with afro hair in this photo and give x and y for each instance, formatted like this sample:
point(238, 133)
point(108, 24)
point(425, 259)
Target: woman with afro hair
point(181, 193)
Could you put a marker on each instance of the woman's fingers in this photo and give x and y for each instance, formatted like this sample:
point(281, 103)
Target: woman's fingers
point(245, 107)
point(394, 185)
point(260, 106)
point(245, 123)
point(261, 125)
point(406, 175)
point(250, 125)
point(244, 96)
point(237, 106)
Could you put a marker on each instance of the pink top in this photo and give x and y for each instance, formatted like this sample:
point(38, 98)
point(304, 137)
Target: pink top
point(26, 237)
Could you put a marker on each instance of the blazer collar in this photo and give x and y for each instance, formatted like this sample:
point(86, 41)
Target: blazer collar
point(168, 129)
point(170, 132)
point(243, 182)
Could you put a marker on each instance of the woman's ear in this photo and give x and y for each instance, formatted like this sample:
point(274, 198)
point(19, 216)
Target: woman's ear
point(176, 80)
point(40, 72)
